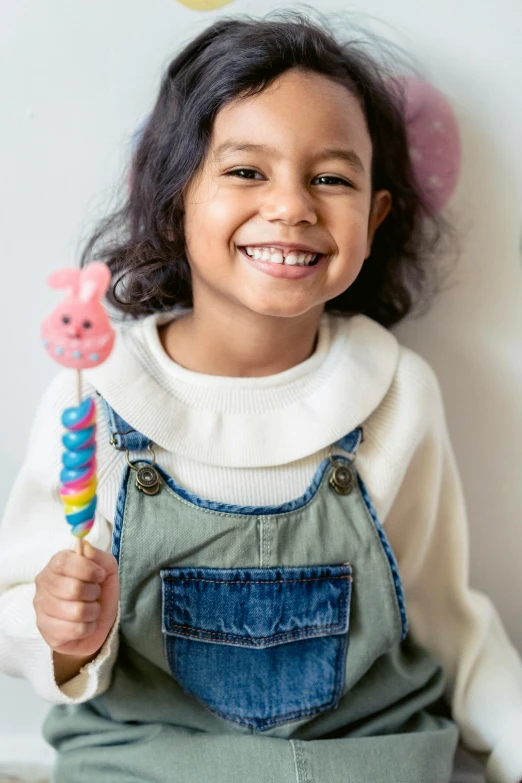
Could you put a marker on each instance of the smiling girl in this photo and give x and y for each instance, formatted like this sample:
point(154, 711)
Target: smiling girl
point(290, 602)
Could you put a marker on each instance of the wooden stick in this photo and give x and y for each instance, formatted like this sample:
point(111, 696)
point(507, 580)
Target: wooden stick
point(78, 544)
point(79, 385)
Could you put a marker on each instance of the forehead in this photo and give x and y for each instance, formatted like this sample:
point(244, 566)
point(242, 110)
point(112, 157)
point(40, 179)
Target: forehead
point(298, 111)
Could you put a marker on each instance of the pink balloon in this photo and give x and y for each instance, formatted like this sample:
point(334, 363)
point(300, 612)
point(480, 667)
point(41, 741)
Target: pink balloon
point(78, 333)
point(434, 141)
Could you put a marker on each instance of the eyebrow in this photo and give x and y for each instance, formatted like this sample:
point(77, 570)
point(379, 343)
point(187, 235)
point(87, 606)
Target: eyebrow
point(340, 153)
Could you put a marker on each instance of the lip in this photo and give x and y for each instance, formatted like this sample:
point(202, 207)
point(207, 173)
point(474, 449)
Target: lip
point(281, 270)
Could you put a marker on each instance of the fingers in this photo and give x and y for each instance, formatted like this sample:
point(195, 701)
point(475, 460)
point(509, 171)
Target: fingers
point(67, 563)
point(69, 595)
point(72, 611)
point(105, 560)
point(67, 588)
point(58, 632)
point(66, 619)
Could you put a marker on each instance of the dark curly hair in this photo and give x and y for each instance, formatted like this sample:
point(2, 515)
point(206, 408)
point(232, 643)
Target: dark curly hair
point(143, 242)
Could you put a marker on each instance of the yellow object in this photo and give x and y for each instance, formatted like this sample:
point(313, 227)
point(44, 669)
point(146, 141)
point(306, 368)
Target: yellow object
point(80, 498)
point(204, 5)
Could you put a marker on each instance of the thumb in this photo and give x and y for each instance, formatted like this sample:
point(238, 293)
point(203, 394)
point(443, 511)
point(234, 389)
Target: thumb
point(104, 559)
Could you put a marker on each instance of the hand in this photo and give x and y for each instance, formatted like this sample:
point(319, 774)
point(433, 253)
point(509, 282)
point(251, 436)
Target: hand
point(76, 600)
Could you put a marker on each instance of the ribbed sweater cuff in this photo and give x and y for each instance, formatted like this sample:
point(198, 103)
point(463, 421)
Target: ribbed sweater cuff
point(29, 656)
point(93, 678)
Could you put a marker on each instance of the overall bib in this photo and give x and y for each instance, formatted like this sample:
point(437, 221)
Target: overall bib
point(257, 644)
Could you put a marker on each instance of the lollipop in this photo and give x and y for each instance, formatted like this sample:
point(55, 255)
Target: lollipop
point(78, 334)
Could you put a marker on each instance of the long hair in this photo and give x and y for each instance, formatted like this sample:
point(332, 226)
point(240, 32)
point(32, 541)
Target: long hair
point(143, 242)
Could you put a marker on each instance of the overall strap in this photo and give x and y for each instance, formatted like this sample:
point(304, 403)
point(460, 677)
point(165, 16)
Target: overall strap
point(123, 436)
point(348, 443)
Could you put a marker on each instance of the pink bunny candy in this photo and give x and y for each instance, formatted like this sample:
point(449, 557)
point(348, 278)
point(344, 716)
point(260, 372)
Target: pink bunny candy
point(78, 333)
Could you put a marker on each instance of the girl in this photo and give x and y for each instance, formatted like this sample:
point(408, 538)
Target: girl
point(285, 599)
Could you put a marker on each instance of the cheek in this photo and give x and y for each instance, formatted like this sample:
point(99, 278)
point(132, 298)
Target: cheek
point(355, 231)
point(210, 227)
point(204, 219)
point(351, 239)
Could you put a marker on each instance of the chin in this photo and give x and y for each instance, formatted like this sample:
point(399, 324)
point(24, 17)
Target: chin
point(282, 307)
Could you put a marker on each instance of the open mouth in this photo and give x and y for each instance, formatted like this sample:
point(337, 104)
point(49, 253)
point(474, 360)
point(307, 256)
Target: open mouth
point(304, 259)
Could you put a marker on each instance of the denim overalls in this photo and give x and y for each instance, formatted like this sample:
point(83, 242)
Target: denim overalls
point(257, 644)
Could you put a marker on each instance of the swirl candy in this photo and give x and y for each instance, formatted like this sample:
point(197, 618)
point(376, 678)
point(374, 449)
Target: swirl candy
point(78, 476)
point(78, 334)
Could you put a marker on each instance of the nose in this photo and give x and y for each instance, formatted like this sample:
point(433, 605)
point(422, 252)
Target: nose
point(290, 202)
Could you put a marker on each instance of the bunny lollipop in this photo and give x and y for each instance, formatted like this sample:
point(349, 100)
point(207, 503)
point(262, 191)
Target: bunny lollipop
point(78, 334)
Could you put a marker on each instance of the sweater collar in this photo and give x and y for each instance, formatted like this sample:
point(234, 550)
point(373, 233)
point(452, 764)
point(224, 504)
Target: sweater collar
point(249, 422)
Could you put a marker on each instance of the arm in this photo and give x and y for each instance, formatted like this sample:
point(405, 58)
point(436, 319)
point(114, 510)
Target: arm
point(427, 526)
point(32, 530)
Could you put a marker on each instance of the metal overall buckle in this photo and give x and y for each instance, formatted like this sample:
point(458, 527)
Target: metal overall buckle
point(147, 477)
point(343, 478)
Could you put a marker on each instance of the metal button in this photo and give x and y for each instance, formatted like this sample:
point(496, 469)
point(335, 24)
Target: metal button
point(147, 480)
point(342, 480)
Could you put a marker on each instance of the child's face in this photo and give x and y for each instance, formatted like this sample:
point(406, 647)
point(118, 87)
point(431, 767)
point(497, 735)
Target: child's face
point(289, 193)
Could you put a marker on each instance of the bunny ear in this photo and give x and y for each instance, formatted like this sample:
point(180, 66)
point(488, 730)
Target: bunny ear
point(94, 282)
point(88, 290)
point(64, 278)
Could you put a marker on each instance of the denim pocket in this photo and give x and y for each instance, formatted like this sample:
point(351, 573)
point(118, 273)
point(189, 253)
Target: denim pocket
point(258, 646)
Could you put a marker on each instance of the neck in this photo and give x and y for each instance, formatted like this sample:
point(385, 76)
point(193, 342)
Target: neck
point(240, 344)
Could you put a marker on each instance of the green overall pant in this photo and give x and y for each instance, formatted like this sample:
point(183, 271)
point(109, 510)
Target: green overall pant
point(257, 644)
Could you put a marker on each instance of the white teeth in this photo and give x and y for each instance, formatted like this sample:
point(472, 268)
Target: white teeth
point(276, 257)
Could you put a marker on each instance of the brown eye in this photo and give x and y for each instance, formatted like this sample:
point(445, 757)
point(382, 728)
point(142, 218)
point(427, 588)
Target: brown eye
point(66, 319)
point(87, 324)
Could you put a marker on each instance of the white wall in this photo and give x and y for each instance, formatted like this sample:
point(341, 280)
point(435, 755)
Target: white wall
point(76, 78)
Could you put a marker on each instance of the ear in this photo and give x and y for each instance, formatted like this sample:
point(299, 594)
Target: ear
point(94, 281)
point(64, 278)
point(381, 205)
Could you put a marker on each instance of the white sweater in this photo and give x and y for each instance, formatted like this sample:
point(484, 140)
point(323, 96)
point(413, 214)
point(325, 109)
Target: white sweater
point(258, 441)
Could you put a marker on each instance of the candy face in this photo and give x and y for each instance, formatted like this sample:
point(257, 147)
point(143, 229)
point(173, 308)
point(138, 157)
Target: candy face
point(78, 333)
point(78, 476)
point(73, 344)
